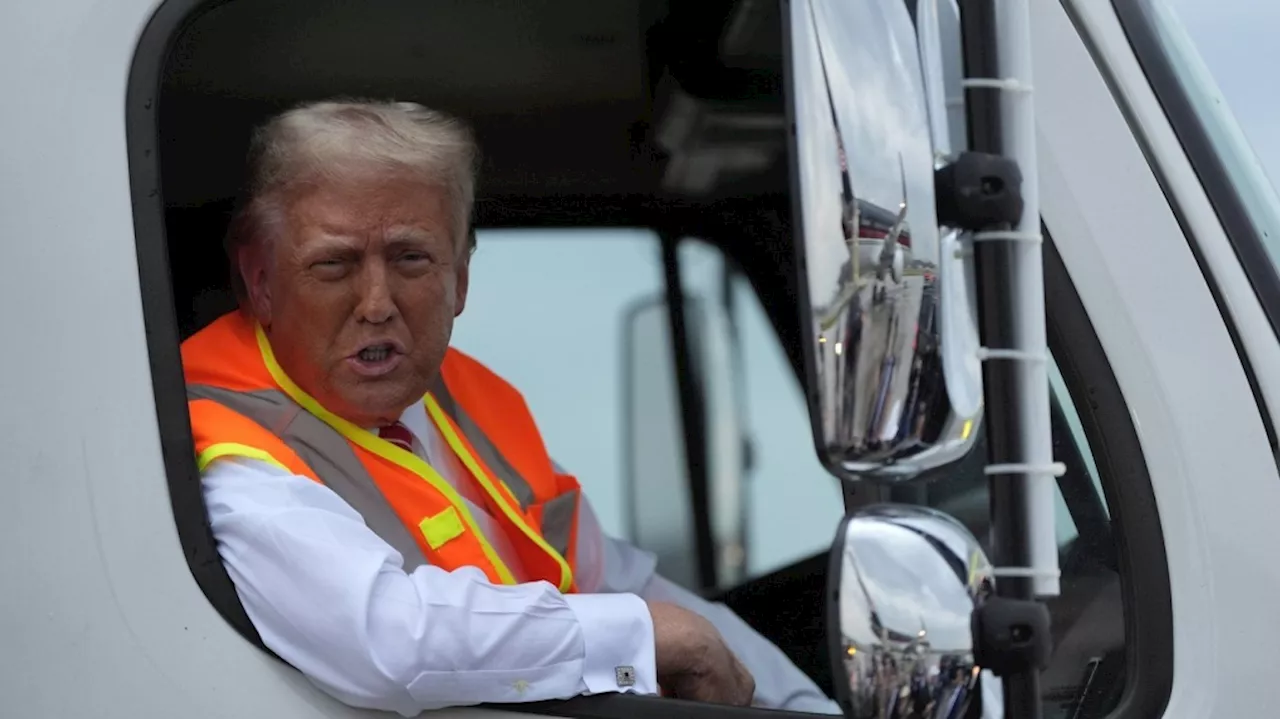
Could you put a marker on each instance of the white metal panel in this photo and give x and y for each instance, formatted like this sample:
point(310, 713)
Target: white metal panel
point(1215, 481)
point(1253, 329)
point(99, 614)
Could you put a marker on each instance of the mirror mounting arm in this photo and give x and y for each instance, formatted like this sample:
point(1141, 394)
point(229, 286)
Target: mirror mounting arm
point(977, 191)
point(1011, 635)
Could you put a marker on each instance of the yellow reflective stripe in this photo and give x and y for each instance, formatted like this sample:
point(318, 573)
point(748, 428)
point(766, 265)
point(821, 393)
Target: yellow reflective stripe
point(232, 449)
point(446, 428)
point(382, 448)
point(441, 528)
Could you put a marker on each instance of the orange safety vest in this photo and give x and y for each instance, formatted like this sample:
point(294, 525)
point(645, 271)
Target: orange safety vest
point(243, 404)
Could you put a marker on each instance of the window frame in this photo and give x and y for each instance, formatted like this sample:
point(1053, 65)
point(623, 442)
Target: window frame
point(693, 413)
point(142, 135)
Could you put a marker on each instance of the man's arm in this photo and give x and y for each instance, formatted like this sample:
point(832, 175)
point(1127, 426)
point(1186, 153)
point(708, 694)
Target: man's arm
point(612, 565)
point(332, 599)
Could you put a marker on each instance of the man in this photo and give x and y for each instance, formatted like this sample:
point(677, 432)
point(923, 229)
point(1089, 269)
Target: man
point(384, 503)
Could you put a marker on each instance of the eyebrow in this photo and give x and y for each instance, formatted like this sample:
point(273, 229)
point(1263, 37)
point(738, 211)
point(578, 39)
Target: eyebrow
point(408, 233)
point(330, 242)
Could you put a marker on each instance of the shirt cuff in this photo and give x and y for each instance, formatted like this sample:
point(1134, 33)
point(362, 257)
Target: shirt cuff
point(617, 633)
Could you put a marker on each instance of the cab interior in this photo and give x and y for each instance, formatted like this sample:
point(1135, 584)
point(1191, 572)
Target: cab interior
point(654, 114)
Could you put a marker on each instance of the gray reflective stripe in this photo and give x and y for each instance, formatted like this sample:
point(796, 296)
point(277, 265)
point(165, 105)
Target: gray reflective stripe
point(557, 519)
point(489, 454)
point(270, 408)
point(327, 453)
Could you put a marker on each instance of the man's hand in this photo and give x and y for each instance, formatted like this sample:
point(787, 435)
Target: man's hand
point(693, 661)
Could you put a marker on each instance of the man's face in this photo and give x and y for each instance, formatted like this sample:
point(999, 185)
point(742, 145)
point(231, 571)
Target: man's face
point(360, 292)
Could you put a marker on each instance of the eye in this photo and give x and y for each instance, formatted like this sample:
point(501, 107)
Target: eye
point(329, 267)
point(413, 257)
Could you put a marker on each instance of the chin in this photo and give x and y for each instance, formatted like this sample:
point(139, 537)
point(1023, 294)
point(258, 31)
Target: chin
point(387, 406)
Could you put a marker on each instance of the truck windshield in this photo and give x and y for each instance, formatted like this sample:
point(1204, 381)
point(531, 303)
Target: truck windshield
point(1225, 56)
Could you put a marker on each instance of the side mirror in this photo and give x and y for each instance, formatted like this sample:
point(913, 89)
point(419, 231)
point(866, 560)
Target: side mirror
point(886, 300)
point(903, 584)
point(662, 494)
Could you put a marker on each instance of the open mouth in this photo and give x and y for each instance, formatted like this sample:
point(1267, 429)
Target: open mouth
point(374, 354)
point(377, 359)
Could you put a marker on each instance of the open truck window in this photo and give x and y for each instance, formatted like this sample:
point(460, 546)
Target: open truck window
point(567, 100)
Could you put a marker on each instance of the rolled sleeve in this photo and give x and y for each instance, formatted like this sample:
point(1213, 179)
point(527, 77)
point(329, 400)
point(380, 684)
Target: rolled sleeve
point(617, 631)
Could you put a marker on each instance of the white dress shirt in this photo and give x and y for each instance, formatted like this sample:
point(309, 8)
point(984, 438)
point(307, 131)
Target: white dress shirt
point(332, 599)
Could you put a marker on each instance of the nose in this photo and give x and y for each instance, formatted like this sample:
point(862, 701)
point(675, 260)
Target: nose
point(376, 302)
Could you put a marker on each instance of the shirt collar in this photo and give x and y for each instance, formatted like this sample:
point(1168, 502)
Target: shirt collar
point(414, 418)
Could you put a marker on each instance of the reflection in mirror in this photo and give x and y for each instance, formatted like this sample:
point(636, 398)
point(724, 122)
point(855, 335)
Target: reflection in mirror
point(891, 346)
point(904, 581)
point(942, 65)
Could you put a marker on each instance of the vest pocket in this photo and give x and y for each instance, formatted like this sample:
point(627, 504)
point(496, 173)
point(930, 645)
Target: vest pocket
point(441, 528)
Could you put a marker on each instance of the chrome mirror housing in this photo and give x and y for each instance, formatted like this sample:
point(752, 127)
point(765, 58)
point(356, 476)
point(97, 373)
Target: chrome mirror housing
point(890, 335)
point(903, 584)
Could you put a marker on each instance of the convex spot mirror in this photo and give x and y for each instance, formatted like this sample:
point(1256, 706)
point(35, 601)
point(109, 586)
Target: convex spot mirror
point(903, 583)
point(885, 295)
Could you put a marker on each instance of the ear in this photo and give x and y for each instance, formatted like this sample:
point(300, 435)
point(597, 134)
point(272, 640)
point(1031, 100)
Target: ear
point(462, 281)
point(253, 271)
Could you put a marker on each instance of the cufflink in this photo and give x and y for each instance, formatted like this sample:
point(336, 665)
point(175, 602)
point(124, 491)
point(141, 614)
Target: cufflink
point(626, 676)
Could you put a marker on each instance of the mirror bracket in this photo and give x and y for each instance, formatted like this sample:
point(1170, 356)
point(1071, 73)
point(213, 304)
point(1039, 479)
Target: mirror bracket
point(977, 191)
point(1011, 635)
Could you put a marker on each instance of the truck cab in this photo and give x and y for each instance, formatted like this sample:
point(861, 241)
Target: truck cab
point(637, 280)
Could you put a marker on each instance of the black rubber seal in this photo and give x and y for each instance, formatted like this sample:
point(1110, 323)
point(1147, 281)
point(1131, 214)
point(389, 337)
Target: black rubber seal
point(142, 100)
point(1126, 484)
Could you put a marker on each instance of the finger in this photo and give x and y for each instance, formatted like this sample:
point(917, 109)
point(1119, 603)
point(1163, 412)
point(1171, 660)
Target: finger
point(746, 683)
point(723, 687)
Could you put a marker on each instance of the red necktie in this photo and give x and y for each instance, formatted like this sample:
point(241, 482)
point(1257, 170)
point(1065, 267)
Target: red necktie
point(399, 435)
